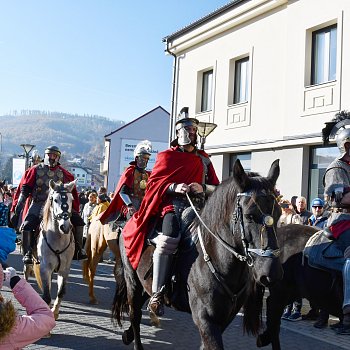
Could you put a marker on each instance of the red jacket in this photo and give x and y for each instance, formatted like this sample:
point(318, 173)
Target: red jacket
point(172, 166)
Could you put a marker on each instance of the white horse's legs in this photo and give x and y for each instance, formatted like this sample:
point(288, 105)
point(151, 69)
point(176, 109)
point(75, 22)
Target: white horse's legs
point(45, 275)
point(61, 285)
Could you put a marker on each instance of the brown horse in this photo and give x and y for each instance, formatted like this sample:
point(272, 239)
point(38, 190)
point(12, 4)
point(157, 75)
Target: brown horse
point(99, 237)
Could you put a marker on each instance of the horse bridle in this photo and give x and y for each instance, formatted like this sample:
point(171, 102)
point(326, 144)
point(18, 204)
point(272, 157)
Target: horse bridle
point(267, 222)
point(65, 215)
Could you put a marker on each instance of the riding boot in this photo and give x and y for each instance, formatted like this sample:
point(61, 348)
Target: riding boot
point(345, 329)
point(27, 247)
point(161, 269)
point(80, 253)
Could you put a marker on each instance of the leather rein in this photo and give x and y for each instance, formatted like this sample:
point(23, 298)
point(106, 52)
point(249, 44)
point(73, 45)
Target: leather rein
point(237, 217)
point(65, 215)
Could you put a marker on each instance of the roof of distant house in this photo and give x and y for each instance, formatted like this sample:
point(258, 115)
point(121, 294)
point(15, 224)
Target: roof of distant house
point(135, 120)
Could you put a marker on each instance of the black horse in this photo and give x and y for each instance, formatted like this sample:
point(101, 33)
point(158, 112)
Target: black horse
point(324, 289)
point(235, 257)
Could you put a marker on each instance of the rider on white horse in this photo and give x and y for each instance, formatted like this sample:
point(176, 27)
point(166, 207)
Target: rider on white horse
point(35, 183)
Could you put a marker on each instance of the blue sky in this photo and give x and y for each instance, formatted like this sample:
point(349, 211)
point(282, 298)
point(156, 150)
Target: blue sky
point(103, 57)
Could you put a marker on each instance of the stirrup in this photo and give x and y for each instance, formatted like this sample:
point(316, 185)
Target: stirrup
point(156, 303)
point(81, 255)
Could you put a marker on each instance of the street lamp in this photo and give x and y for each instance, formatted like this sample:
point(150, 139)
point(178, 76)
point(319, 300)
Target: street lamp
point(27, 148)
point(204, 129)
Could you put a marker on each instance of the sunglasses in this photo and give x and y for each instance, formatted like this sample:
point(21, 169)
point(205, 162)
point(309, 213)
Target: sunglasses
point(318, 206)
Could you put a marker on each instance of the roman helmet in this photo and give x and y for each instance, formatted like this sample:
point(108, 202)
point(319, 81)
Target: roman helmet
point(339, 129)
point(52, 150)
point(182, 135)
point(142, 152)
point(35, 158)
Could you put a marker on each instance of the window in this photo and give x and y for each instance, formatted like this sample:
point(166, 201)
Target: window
point(245, 159)
point(321, 157)
point(241, 82)
point(207, 91)
point(324, 55)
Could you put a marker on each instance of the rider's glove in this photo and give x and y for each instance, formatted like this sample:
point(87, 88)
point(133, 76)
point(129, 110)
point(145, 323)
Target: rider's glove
point(18, 210)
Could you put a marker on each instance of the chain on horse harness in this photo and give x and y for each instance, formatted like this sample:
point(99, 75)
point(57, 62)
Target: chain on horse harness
point(65, 215)
point(267, 222)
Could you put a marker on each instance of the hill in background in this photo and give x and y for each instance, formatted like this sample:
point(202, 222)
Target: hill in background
point(76, 135)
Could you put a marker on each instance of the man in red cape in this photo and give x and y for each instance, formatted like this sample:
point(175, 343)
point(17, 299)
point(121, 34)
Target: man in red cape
point(35, 185)
point(131, 186)
point(180, 169)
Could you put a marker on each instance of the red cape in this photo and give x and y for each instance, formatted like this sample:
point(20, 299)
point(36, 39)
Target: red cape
point(127, 178)
point(171, 166)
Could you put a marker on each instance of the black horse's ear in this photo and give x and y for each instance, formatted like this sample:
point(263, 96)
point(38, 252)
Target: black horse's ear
point(274, 172)
point(239, 175)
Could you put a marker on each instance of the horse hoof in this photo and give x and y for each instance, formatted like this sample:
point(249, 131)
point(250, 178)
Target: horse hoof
point(93, 302)
point(262, 340)
point(127, 338)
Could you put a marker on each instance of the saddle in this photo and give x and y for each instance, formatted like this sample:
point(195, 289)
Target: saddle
point(324, 253)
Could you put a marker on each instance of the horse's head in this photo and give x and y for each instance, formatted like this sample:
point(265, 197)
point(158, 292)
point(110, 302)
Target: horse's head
point(61, 199)
point(256, 214)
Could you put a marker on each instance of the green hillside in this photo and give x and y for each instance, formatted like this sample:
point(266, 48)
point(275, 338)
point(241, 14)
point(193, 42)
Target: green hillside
point(76, 135)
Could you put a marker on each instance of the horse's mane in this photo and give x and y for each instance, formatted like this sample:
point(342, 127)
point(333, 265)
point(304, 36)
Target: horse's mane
point(219, 206)
point(46, 213)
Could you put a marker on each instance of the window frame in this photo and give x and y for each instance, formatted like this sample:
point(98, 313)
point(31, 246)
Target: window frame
point(207, 90)
point(238, 97)
point(314, 51)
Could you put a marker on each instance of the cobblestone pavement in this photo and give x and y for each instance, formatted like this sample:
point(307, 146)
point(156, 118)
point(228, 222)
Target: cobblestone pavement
point(85, 326)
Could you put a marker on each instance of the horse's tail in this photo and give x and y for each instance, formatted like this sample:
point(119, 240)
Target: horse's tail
point(86, 263)
point(252, 319)
point(36, 268)
point(120, 304)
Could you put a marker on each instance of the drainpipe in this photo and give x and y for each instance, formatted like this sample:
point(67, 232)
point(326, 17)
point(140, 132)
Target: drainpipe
point(172, 114)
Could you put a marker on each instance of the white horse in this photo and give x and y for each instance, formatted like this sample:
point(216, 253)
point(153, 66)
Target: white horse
point(55, 248)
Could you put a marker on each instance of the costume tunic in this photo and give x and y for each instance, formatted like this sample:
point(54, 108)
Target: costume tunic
point(131, 178)
point(172, 166)
point(337, 175)
point(30, 183)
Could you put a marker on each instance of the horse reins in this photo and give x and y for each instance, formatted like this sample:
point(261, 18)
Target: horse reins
point(238, 216)
point(57, 252)
point(65, 215)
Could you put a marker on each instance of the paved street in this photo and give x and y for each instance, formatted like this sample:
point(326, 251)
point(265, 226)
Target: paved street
point(84, 326)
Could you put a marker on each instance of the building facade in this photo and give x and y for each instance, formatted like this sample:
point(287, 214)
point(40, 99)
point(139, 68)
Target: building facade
point(82, 175)
point(120, 144)
point(269, 73)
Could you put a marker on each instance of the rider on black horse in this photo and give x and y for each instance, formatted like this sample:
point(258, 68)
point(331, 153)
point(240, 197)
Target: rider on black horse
point(178, 170)
point(337, 191)
point(35, 186)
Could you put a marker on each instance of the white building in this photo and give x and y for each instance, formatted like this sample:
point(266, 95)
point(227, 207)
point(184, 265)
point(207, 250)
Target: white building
point(270, 73)
point(120, 144)
point(83, 175)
